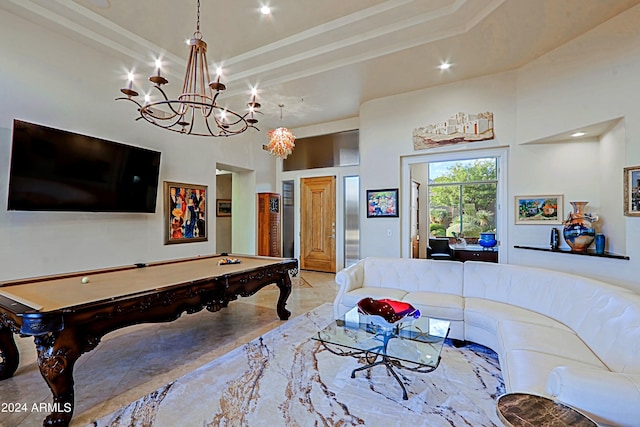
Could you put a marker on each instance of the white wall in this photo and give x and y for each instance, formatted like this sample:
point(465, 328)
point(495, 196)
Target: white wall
point(591, 80)
point(386, 127)
point(49, 79)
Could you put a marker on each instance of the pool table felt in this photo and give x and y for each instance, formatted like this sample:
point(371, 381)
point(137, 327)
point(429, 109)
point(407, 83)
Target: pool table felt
point(55, 294)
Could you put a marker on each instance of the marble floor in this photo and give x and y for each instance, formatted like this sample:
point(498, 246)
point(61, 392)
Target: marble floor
point(134, 361)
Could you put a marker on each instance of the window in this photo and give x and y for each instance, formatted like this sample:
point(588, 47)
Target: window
point(462, 197)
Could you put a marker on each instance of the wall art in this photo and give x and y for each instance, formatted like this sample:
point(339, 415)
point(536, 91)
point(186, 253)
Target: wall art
point(539, 209)
point(460, 128)
point(185, 208)
point(382, 203)
point(632, 191)
point(223, 207)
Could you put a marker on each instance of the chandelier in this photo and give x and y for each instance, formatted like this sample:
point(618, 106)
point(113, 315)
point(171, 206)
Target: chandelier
point(195, 111)
point(281, 140)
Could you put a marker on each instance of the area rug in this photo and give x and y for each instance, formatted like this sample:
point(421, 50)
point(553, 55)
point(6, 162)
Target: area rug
point(285, 378)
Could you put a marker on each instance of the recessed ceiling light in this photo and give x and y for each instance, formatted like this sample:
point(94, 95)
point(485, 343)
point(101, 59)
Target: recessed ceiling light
point(578, 134)
point(444, 66)
point(265, 10)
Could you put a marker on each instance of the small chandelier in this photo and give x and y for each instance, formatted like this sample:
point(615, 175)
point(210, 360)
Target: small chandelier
point(199, 94)
point(281, 140)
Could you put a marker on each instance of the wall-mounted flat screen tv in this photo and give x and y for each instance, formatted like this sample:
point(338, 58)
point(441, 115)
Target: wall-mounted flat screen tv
point(56, 170)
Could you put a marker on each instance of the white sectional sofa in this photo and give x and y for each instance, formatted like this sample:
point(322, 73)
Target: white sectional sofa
point(559, 335)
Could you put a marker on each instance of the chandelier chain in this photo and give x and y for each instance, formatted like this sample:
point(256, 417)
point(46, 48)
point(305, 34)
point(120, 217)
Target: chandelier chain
point(198, 19)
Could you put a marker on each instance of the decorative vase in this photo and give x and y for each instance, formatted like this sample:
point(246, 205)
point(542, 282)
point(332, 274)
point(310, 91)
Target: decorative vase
point(554, 240)
point(600, 241)
point(487, 240)
point(386, 313)
point(578, 229)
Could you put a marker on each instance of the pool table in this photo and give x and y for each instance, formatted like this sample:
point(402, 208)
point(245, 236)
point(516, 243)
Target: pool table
point(68, 314)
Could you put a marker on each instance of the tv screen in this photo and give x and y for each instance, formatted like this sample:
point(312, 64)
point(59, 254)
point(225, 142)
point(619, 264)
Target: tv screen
point(56, 170)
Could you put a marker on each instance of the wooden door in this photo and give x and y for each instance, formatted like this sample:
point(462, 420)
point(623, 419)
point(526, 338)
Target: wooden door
point(318, 224)
point(269, 225)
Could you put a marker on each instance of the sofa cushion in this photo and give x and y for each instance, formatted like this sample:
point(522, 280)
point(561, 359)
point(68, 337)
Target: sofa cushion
point(487, 314)
point(528, 370)
point(517, 335)
point(611, 327)
point(440, 306)
point(414, 274)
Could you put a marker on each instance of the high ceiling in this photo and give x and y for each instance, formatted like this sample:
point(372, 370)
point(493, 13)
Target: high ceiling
point(323, 58)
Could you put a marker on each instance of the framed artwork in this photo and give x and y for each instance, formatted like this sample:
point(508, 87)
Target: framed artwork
point(382, 203)
point(632, 191)
point(223, 207)
point(185, 207)
point(539, 209)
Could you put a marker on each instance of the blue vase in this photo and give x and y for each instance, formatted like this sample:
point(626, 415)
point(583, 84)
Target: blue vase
point(488, 240)
point(600, 239)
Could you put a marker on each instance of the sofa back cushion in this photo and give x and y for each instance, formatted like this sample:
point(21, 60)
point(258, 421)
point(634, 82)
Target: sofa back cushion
point(606, 317)
point(414, 274)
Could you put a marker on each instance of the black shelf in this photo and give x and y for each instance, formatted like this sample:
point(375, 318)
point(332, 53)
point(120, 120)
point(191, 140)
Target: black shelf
point(589, 252)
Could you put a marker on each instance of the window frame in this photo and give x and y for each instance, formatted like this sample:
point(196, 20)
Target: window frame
point(502, 208)
point(460, 187)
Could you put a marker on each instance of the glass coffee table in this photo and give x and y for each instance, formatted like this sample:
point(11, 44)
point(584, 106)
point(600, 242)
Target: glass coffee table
point(414, 345)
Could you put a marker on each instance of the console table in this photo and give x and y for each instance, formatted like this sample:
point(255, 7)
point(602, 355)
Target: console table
point(474, 253)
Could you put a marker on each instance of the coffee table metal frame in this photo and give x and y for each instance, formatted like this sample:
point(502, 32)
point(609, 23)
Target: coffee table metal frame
point(414, 345)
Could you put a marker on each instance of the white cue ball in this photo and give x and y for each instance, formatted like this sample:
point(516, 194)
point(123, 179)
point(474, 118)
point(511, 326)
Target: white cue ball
point(85, 279)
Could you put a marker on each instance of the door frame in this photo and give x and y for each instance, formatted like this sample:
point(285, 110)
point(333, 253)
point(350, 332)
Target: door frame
point(339, 173)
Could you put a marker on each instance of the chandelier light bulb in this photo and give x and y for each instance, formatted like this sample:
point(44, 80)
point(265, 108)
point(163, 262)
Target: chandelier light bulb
point(128, 90)
point(265, 10)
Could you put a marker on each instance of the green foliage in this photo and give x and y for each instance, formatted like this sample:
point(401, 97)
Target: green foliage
point(437, 230)
point(480, 196)
point(468, 230)
point(485, 218)
point(462, 186)
point(439, 215)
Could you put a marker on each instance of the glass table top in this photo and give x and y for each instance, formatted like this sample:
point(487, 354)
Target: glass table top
point(417, 341)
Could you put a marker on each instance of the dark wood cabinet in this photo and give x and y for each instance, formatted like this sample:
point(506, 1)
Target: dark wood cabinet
point(475, 254)
point(269, 224)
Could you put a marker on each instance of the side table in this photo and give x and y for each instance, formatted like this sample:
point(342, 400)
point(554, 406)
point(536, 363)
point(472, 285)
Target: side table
point(528, 410)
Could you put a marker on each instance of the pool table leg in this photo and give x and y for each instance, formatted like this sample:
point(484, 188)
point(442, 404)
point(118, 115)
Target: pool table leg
point(57, 355)
point(9, 356)
point(285, 290)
